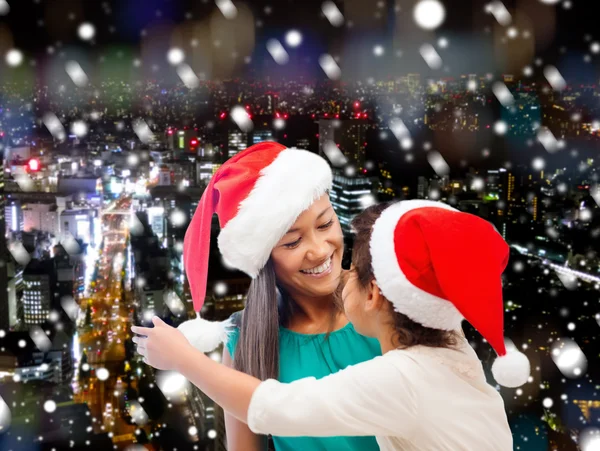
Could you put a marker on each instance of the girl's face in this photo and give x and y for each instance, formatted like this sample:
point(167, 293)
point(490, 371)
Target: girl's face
point(354, 297)
point(308, 259)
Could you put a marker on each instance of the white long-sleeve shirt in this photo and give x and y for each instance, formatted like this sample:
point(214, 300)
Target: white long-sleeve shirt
point(420, 398)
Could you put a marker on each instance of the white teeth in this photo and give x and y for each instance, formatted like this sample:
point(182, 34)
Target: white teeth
point(319, 269)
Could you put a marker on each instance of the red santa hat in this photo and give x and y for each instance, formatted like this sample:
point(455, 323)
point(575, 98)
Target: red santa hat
point(438, 266)
point(257, 195)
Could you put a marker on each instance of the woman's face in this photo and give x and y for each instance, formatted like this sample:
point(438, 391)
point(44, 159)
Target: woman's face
point(308, 259)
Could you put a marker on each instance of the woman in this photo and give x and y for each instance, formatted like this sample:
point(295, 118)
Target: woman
point(418, 269)
point(278, 226)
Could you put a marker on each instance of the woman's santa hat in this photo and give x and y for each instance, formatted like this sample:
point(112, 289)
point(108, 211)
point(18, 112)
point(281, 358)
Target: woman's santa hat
point(438, 266)
point(257, 195)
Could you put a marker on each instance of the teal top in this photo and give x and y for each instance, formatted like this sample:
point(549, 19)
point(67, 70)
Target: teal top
point(303, 355)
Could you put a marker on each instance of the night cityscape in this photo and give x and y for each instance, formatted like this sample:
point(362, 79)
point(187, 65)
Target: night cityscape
point(114, 115)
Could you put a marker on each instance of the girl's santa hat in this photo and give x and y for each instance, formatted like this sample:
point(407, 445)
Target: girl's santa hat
point(257, 195)
point(438, 266)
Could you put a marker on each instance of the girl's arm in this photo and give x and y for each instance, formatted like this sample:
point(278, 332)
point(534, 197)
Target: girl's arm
point(239, 436)
point(229, 388)
point(377, 397)
point(372, 398)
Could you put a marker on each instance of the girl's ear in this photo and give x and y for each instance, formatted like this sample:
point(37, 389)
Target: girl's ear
point(375, 299)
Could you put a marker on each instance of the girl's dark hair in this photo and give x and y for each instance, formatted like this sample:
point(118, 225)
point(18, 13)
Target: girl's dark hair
point(408, 332)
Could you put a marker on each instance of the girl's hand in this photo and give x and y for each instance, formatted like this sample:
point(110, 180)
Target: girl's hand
point(162, 346)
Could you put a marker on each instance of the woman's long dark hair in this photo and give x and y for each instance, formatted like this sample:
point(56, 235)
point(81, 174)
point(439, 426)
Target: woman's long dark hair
point(268, 306)
point(257, 350)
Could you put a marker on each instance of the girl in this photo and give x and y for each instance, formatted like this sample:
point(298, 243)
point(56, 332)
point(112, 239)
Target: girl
point(278, 226)
point(419, 268)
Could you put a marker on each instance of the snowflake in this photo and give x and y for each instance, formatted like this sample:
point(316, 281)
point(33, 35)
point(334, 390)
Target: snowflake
point(54, 126)
point(77, 74)
point(431, 56)
point(367, 200)
point(220, 288)
point(227, 8)
point(172, 384)
point(79, 128)
point(555, 78)
point(102, 374)
point(503, 94)
point(188, 76)
point(142, 130)
point(14, 57)
point(293, 38)
point(569, 358)
point(378, 50)
point(276, 50)
point(178, 218)
point(86, 31)
point(478, 184)
point(332, 13)
point(500, 13)
point(429, 14)
point(19, 253)
point(330, 67)
point(175, 56)
point(240, 116)
point(49, 406)
point(40, 339)
point(500, 127)
point(4, 10)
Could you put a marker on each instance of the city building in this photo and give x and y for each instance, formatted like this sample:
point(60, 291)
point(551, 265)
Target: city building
point(80, 185)
point(236, 142)
point(14, 294)
point(13, 213)
point(41, 216)
point(39, 280)
point(259, 136)
point(80, 224)
point(5, 313)
point(422, 188)
point(348, 197)
point(349, 135)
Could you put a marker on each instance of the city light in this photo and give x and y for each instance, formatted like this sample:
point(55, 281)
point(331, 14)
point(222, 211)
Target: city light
point(34, 165)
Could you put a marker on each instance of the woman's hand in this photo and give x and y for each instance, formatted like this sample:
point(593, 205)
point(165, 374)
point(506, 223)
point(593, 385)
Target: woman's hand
point(162, 346)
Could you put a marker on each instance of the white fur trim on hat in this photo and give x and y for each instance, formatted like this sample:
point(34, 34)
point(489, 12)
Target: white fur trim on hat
point(420, 306)
point(206, 335)
point(511, 370)
point(285, 188)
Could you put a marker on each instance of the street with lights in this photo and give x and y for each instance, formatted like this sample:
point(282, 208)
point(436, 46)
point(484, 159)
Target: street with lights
point(101, 381)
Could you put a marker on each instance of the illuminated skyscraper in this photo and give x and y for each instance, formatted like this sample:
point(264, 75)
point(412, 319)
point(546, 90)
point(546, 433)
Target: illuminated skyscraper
point(236, 142)
point(347, 196)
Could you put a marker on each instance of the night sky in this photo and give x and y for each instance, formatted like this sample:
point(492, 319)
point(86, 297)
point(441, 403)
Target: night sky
point(561, 36)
